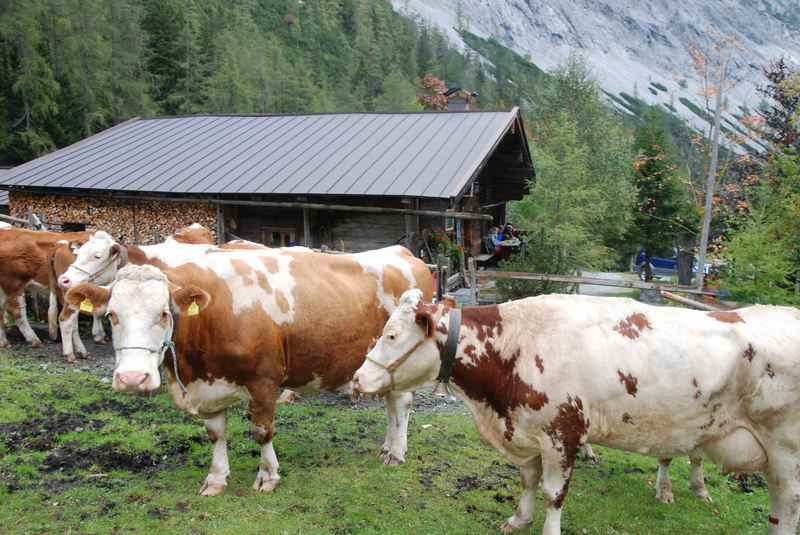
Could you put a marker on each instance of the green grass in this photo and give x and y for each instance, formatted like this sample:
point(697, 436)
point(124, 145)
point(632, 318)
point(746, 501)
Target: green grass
point(332, 481)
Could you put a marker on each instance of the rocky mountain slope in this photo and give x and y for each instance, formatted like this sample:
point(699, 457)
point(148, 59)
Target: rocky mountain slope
point(636, 47)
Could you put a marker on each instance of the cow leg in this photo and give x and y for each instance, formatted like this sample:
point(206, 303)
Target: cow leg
point(3, 339)
point(696, 479)
point(217, 478)
point(70, 336)
point(587, 453)
point(557, 466)
point(98, 331)
point(531, 475)
point(20, 313)
point(663, 483)
point(52, 317)
point(262, 415)
point(784, 492)
point(398, 408)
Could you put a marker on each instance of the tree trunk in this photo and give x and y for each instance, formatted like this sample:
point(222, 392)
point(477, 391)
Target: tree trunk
point(712, 179)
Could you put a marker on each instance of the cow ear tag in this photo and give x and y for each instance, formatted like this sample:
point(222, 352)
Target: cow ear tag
point(193, 309)
point(86, 305)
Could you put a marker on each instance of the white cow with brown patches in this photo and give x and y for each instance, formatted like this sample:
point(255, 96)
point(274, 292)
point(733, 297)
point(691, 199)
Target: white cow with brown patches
point(545, 375)
point(251, 321)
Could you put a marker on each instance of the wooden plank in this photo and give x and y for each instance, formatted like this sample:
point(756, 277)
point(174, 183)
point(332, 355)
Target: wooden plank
point(546, 277)
point(689, 302)
point(306, 228)
point(11, 219)
point(473, 282)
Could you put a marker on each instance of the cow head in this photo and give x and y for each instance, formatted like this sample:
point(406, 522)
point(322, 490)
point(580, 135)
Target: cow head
point(97, 261)
point(141, 306)
point(406, 356)
point(193, 234)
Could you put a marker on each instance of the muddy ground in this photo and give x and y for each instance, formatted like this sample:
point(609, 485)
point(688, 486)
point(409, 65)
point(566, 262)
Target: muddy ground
point(101, 364)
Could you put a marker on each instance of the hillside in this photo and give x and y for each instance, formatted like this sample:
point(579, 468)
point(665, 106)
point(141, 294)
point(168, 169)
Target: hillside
point(637, 49)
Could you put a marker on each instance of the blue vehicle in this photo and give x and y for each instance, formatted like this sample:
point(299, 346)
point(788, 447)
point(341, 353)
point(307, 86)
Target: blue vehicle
point(662, 266)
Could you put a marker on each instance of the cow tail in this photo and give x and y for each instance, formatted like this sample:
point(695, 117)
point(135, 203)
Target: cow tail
point(52, 309)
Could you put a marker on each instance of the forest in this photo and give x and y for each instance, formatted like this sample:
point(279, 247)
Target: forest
point(607, 182)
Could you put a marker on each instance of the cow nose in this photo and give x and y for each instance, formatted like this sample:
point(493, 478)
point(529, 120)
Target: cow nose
point(64, 281)
point(132, 379)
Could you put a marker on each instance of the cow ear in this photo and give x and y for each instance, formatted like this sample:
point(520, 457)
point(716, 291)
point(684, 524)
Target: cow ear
point(424, 319)
point(189, 300)
point(122, 252)
point(87, 293)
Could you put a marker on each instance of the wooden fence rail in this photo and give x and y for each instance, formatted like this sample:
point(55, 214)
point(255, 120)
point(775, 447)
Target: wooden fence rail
point(546, 277)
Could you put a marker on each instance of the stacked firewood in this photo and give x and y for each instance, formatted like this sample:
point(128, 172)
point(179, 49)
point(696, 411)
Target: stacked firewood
point(131, 221)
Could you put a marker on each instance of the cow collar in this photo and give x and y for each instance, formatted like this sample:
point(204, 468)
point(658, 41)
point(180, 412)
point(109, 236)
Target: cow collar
point(121, 257)
point(448, 353)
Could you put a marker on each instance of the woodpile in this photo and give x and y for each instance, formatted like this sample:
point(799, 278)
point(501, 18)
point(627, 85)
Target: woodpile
point(128, 220)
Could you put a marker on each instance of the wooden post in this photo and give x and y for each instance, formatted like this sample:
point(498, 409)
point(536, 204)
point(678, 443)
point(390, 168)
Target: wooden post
point(306, 227)
point(441, 279)
point(220, 225)
point(473, 281)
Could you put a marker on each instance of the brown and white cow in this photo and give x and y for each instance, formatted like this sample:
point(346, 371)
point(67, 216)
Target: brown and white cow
point(23, 262)
point(97, 260)
point(250, 321)
point(544, 375)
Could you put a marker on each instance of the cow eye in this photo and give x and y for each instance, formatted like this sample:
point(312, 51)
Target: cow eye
point(392, 337)
point(98, 256)
point(164, 317)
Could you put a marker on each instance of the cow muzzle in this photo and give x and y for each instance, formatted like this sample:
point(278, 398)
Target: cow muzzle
point(137, 382)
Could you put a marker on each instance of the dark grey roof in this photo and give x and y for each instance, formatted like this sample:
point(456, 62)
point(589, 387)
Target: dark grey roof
point(427, 154)
point(3, 194)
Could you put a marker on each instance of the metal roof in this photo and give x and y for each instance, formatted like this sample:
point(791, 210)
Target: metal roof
point(3, 194)
point(426, 154)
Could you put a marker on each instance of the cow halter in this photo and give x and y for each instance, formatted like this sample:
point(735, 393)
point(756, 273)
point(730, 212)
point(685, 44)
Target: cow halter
point(94, 275)
point(166, 345)
point(447, 355)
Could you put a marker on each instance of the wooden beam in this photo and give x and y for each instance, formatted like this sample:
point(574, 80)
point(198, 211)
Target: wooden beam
point(288, 204)
point(547, 277)
point(306, 228)
point(689, 302)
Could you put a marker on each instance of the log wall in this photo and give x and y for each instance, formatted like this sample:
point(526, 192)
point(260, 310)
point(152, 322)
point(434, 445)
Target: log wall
point(132, 221)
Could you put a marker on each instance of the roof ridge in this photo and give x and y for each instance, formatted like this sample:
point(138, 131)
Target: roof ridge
point(322, 113)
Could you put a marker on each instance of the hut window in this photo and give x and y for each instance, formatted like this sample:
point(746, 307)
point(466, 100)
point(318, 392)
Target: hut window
point(73, 227)
point(277, 237)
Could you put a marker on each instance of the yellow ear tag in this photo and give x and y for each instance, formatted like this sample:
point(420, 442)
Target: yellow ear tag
point(193, 309)
point(86, 305)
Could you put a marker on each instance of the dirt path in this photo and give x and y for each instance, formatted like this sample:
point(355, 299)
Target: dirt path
point(101, 364)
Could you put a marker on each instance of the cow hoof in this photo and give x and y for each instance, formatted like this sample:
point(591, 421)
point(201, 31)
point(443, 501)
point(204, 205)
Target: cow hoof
point(4, 345)
point(264, 484)
point(100, 340)
point(513, 524)
point(83, 356)
point(36, 343)
point(390, 459)
point(665, 497)
point(211, 489)
point(71, 358)
point(703, 495)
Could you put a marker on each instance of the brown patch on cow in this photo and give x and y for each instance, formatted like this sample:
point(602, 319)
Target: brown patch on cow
point(270, 263)
point(394, 282)
point(567, 431)
point(263, 281)
point(770, 371)
point(484, 320)
point(539, 363)
point(469, 351)
point(633, 326)
point(629, 381)
point(749, 353)
point(493, 380)
point(244, 270)
point(627, 418)
point(283, 303)
point(726, 316)
point(772, 520)
point(196, 235)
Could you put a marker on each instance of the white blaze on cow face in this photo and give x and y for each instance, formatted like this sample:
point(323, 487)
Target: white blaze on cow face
point(141, 321)
point(94, 260)
point(405, 345)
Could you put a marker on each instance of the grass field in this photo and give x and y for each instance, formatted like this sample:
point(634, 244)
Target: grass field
point(76, 457)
